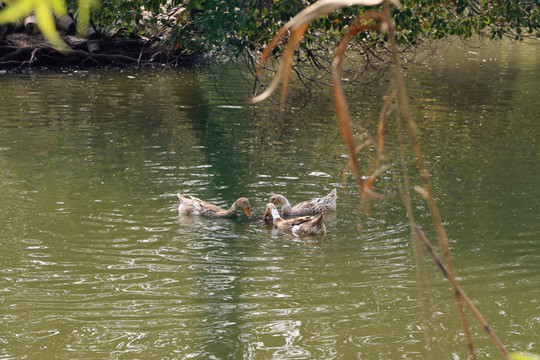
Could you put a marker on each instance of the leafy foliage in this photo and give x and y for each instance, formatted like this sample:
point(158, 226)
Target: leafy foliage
point(249, 24)
point(438, 19)
point(125, 14)
point(43, 10)
point(206, 26)
point(83, 14)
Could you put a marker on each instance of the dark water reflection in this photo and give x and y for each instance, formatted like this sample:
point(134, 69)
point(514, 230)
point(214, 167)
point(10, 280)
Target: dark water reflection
point(96, 262)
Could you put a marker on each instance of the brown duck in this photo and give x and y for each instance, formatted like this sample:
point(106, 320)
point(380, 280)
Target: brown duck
point(195, 206)
point(314, 206)
point(301, 226)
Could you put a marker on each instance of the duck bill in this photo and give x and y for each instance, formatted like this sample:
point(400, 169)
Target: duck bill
point(266, 214)
point(248, 211)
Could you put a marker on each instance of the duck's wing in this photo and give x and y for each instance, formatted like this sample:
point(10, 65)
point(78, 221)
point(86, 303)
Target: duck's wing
point(308, 207)
point(314, 226)
point(288, 224)
point(204, 207)
point(197, 203)
point(316, 205)
point(300, 220)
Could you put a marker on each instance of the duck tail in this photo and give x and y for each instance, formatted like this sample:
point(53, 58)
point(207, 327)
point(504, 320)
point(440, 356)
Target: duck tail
point(319, 221)
point(332, 197)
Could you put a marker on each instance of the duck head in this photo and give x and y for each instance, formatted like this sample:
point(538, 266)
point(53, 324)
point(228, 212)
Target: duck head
point(244, 204)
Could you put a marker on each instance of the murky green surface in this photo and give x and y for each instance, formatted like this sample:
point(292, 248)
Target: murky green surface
point(96, 263)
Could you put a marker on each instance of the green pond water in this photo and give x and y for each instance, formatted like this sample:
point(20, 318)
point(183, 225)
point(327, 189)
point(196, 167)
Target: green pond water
point(96, 263)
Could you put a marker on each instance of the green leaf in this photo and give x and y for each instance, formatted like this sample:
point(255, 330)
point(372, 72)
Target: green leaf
point(16, 10)
point(85, 6)
point(524, 356)
point(47, 25)
point(195, 4)
point(58, 7)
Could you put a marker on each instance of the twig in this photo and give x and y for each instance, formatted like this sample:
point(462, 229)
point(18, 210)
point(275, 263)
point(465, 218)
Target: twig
point(458, 290)
point(380, 127)
point(342, 109)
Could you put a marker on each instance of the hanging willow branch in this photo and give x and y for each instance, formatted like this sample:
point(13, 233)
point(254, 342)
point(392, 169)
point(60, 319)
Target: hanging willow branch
point(380, 21)
point(304, 17)
point(342, 110)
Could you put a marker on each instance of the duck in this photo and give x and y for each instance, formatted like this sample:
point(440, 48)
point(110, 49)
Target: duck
point(300, 226)
point(195, 206)
point(314, 206)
